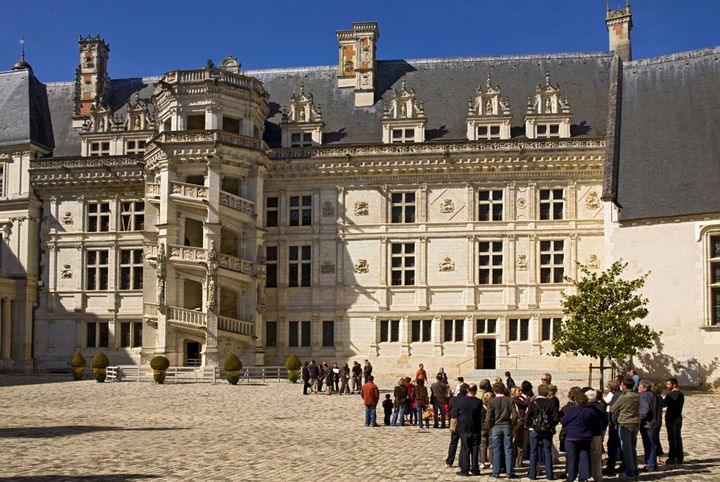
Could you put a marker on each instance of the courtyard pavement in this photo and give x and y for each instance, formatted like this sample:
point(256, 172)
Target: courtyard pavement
point(85, 431)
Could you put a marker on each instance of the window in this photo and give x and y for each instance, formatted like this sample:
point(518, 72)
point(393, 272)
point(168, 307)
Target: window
point(135, 147)
point(195, 122)
point(99, 148)
point(301, 139)
point(305, 333)
point(293, 334)
point(2, 179)
point(131, 269)
point(453, 330)
point(271, 333)
point(548, 130)
point(403, 207)
point(97, 334)
point(421, 330)
point(231, 124)
point(402, 135)
point(486, 325)
point(299, 266)
point(300, 210)
point(96, 270)
point(389, 331)
point(131, 334)
point(549, 327)
point(490, 260)
point(488, 132)
point(132, 216)
point(519, 329)
point(271, 266)
point(402, 264)
point(490, 205)
point(714, 269)
point(552, 261)
point(271, 212)
point(552, 203)
point(98, 217)
point(328, 334)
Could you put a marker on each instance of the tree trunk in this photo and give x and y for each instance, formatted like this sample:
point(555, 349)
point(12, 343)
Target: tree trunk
point(602, 373)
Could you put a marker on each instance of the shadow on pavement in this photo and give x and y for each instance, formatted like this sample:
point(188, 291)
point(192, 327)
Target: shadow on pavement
point(66, 430)
point(78, 478)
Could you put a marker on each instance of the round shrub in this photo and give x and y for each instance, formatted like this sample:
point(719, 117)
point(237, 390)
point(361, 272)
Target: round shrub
point(159, 363)
point(100, 360)
point(232, 363)
point(77, 360)
point(293, 363)
point(293, 375)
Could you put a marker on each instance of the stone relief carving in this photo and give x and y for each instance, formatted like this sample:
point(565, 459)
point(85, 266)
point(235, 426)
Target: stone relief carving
point(327, 209)
point(446, 265)
point(212, 264)
point(362, 208)
point(593, 262)
point(161, 275)
point(362, 266)
point(592, 200)
point(521, 262)
point(327, 268)
point(447, 206)
point(66, 272)
point(67, 218)
point(521, 203)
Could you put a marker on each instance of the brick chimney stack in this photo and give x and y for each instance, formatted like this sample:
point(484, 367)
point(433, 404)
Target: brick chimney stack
point(91, 79)
point(619, 23)
point(357, 67)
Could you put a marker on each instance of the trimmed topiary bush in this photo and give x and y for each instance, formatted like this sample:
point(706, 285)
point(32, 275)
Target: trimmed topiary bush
point(99, 363)
point(293, 366)
point(232, 366)
point(159, 364)
point(77, 365)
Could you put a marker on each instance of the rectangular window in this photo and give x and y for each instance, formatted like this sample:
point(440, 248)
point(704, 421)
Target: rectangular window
point(132, 216)
point(2, 179)
point(300, 210)
point(453, 330)
point(299, 264)
point(490, 205)
point(714, 269)
point(389, 331)
point(271, 211)
point(403, 135)
point(131, 269)
point(271, 266)
point(293, 333)
point(301, 139)
point(230, 124)
point(97, 334)
point(96, 270)
point(421, 331)
point(490, 260)
point(195, 122)
point(552, 203)
point(137, 333)
point(552, 261)
point(98, 217)
point(519, 329)
point(91, 334)
point(485, 325)
point(403, 207)
point(125, 335)
point(488, 132)
point(135, 147)
point(550, 326)
point(271, 333)
point(305, 334)
point(402, 264)
point(548, 130)
point(101, 148)
point(328, 334)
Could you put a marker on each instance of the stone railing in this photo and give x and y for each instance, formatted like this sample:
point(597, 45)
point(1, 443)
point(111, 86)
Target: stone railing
point(237, 203)
point(236, 264)
point(152, 189)
point(192, 191)
point(186, 253)
point(187, 317)
point(150, 310)
point(214, 75)
point(236, 326)
point(45, 163)
point(212, 136)
point(151, 250)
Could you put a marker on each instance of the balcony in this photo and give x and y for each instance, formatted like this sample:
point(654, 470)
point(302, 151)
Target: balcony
point(236, 264)
point(237, 203)
point(188, 254)
point(210, 137)
point(152, 190)
point(236, 326)
point(191, 192)
point(185, 317)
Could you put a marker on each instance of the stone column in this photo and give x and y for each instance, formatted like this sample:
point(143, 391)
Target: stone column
point(436, 335)
point(6, 328)
point(213, 117)
point(468, 338)
point(404, 332)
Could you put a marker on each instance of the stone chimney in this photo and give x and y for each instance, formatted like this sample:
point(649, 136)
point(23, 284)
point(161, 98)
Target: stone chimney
point(619, 23)
point(91, 79)
point(356, 66)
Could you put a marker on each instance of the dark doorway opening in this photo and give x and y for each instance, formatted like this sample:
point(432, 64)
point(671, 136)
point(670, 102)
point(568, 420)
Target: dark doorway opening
point(192, 354)
point(485, 354)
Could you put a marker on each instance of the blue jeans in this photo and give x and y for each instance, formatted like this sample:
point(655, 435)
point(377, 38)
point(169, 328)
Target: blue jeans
point(649, 449)
point(420, 410)
point(613, 448)
point(502, 441)
point(578, 458)
point(439, 408)
point(398, 411)
point(628, 447)
point(538, 443)
point(370, 415)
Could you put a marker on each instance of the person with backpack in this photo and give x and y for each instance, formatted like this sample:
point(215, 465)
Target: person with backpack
point(541, 418)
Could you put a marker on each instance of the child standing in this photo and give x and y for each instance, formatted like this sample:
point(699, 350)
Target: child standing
point(388, 407)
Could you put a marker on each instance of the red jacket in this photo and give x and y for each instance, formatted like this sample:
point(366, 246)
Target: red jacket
point(370, 394)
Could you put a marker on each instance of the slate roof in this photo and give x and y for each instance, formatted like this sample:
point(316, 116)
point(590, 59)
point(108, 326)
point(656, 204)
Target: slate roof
point(668, 161)
point(24, 110)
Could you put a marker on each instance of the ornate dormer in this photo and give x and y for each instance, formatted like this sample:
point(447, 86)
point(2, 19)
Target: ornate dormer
point(138, 117)
point(403, 117)
point(302, 122)
point(488, 114)
point(548, 113)
point(101, 119)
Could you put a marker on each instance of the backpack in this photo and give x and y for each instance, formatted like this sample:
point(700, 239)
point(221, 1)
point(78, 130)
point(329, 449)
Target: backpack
point(540, 422)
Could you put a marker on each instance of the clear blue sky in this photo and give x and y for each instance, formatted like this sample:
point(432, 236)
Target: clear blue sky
point(152, 37)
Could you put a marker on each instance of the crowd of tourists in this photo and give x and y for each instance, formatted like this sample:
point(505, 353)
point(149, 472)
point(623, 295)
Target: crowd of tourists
point(325, 379)
point(500, 425)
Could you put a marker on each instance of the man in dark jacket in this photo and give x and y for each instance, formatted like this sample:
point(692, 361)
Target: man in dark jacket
point(501, 416)
point(439, 392)
point(674, 401)
point(541, 418)
point(400, 394)
point(613, 436)
point(509, 383)
point(649, 414)
point(470, 418)
point(626, 413)
point(454, 436)
point(312, 375)
point(305, 377)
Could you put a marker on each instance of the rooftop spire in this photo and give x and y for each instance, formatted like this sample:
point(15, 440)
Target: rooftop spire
point(21, 64)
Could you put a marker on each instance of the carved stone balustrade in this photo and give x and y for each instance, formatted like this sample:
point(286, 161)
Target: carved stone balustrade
point(192, 191)
point(236, 326)
point(237, 203)
point(186, 253)
point(191, 318)
point(152, 190)
point(236, 264)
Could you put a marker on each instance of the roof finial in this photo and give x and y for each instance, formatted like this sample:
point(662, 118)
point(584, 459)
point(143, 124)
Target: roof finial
point(22, 46)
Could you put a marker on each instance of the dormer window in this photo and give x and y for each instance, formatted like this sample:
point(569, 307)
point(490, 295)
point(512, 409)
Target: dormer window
point(403, 118)
point(548, 114)
point(488, 114)
point(135, 147)
point(302, 123)
point(99, 148)
point(195, 122)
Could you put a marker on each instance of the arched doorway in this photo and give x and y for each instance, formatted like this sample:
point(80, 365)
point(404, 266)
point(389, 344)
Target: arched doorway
point(485, 355)
point(192, 353)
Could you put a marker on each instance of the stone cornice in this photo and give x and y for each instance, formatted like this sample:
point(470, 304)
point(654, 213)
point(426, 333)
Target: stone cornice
point(60, 172)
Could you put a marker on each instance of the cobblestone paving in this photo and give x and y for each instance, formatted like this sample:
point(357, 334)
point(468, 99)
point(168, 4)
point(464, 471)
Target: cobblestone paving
point(130, 431)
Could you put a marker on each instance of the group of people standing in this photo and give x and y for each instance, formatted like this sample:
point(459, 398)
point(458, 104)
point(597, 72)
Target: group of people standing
point(335, 379)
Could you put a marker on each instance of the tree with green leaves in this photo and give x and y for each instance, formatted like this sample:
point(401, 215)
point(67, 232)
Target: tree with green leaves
point(600, 315)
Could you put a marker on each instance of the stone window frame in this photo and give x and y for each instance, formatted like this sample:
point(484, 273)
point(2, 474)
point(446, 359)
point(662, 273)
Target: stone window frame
point(403, 137)
point(304, 138)
point(518, 329)
point(94, 264)
point(99, 148)
point(299, 263)
point(389, 331)
point(133, 266)
point(271, 266)
point(547, 130)
point(94, 211)
point(492, 266)
point(551, 263)
point(403, 205)
point(486, 324)
point(453, 330)
point(134, 334)
point(298, 327)
point(304, 211)
point(551, 202)
point(132, 215)
point(488, 132)
point(271, 342)
point(138, 146)
point(97, 332)
point(331, 338)
point(403, 268)
point(552, 323)
point(272, 209)
point(711, 261)
point(421, 330)
point(491, 202)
